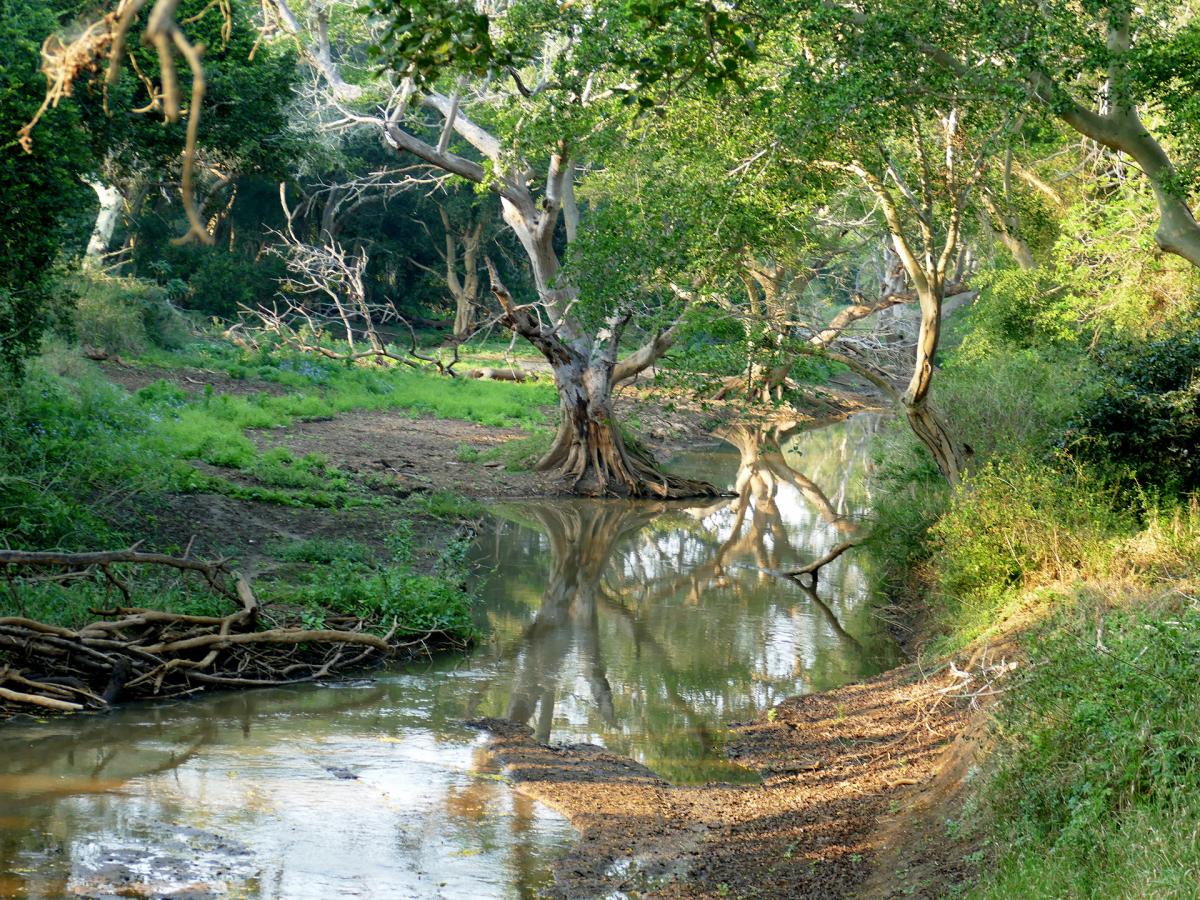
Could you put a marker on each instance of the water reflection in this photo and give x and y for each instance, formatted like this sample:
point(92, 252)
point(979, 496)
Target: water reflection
point(340, 791)
point(645, 627)
point(639, 626)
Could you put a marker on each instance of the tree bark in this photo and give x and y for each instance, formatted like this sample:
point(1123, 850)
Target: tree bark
point(949, 453)
point(106, 221)
point(589, 453)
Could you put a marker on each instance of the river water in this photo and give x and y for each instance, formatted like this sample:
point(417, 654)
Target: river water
point(641, 627)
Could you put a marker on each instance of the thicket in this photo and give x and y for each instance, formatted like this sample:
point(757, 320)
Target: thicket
point(45, 199)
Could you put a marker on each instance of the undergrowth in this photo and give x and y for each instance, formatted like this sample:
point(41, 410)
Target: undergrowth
point(386, 592)
point(1096, 783)
point(1076, 539)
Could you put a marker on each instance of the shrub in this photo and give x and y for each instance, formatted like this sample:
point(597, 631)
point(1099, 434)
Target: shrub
point(125, 315)
point(1144, 428)
point(1011, 399)
point(1013, 525)
point(63, 444)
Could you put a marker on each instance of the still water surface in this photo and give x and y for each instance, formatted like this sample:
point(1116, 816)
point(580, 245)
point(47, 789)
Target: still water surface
point(641, 627)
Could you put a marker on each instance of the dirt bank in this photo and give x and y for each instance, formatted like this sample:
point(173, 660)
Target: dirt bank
point(840, 772)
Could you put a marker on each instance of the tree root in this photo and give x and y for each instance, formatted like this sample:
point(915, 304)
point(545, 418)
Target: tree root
point(137, 653)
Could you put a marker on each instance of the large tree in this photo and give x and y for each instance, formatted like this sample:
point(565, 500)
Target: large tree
point(523, 121)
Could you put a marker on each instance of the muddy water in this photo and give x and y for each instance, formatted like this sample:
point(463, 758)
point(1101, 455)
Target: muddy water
point(641, 627)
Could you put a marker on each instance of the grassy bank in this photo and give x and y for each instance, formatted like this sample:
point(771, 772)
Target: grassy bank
point(1075, 539)
point(88, 465)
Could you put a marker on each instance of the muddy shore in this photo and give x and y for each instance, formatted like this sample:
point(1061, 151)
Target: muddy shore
point(838, 770)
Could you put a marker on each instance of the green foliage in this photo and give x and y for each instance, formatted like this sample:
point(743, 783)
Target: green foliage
point(215, 281)
point(124, 315)
point(1098, 764)
point(445, 505)
point(384, 593)
point(72, 605)
point(278, 467)
point(43, 192)
point(1144, 427)
point(1016, 524)
point(66, 443)
point(655, 40)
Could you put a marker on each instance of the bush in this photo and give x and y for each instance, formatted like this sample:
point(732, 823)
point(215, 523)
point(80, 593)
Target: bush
point(215, 281)
point(125, 315)
point(1016, 524)
point(1144, 428)
point(63, 444)
point(1009, 400)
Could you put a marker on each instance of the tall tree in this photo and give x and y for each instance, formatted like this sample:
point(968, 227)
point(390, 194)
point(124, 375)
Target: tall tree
point(522, 120)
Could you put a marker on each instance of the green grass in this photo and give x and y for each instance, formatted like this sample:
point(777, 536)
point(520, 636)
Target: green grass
point(321, 388)
point(518, 455)
point(71, 606)
point(353, 581)
point(1096, 783)
point(445, 505)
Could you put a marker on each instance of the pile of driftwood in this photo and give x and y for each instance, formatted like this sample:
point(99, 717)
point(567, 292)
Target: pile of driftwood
point(131, 652)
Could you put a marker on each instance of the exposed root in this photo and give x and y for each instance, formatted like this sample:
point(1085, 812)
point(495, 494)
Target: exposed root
point(132, 652)
point(597, 462)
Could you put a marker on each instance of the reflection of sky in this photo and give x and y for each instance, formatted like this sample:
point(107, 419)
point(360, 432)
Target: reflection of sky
point(405, 811)
point(691, 630)
point(238, 790)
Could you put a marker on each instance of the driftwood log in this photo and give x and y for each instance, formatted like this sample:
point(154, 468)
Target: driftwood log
point(132, 652)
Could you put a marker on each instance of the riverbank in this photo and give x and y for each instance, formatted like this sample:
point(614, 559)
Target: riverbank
point(834, 765)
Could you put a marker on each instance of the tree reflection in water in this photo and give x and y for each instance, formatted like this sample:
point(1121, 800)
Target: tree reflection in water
point(641, 626)
point(655, 623)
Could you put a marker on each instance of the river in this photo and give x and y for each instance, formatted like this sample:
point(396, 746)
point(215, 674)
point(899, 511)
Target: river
point(641, 627)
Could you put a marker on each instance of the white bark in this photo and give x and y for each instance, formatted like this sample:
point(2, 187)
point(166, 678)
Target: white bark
point(106, 220)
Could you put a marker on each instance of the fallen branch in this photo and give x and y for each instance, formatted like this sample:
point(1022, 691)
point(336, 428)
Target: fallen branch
point(814, 568)
point(134, 652)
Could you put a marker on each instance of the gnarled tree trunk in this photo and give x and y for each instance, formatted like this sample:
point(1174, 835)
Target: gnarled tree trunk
point(589, 452)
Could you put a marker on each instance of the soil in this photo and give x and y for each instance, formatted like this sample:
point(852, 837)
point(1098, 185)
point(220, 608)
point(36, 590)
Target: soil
point(413, 454)
point(839, 771)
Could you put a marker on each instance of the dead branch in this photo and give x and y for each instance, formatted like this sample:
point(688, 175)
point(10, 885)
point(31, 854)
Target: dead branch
point(813, 568)
point(135, 652)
